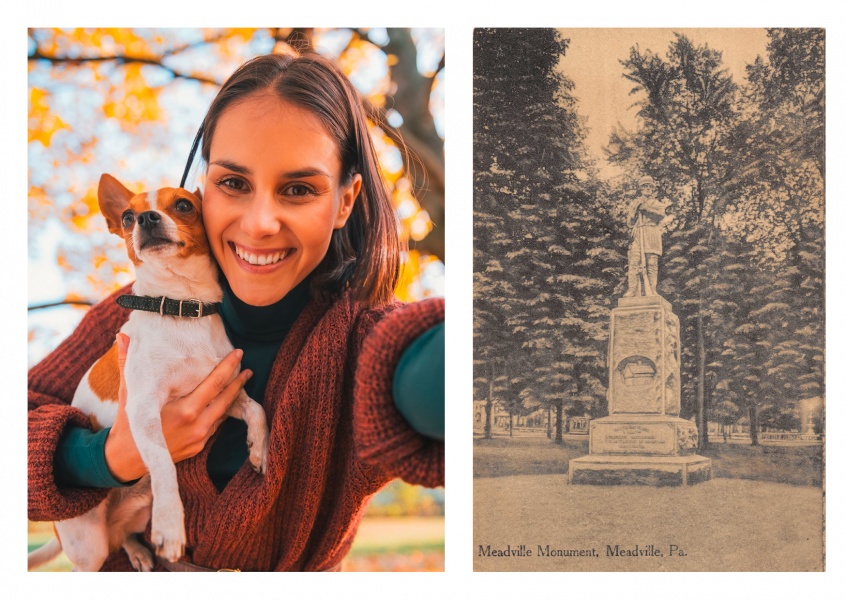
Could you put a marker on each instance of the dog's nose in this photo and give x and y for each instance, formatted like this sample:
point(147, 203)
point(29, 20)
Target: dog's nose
point(149, 219)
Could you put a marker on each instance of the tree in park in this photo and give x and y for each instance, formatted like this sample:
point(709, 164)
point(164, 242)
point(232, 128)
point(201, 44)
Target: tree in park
point(781, 220)
point(787, 95)
point(129, 101)
point(744, 264)
point(542, 247)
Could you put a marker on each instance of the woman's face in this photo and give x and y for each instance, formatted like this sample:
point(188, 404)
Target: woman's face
point(273, 196)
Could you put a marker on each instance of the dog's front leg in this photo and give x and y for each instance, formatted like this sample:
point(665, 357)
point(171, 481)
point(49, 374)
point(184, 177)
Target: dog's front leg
point(143, 412)
point(252, 413)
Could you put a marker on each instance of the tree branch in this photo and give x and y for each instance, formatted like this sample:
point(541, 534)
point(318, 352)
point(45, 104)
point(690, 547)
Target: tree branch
point(65, 302)
point(121, 59)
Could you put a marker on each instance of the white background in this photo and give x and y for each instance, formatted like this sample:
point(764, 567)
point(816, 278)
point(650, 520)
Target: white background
point(458, 19)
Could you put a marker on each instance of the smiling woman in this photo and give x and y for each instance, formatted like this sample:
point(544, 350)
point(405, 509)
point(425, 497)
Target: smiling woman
point(300, 222)
point(272, 200)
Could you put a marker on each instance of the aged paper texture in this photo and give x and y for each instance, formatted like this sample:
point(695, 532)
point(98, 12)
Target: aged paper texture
point(649, 299)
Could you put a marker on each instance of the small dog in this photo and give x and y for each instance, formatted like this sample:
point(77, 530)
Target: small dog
point(173, 348)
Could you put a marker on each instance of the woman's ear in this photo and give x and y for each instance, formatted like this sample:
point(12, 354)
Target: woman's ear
point(349, 194)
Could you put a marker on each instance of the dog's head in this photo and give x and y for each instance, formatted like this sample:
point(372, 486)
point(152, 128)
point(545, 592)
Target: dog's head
point(156, 226)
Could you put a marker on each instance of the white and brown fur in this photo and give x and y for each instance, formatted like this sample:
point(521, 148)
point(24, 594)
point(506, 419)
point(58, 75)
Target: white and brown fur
point(167, 358)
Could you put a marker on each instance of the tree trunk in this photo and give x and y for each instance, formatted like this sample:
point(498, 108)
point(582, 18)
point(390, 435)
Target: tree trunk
point(549, 422)
point(559, 412)
point(700, 198)
point(510, 424)
point(489, 406)
point(700, 376)
point(753, 424)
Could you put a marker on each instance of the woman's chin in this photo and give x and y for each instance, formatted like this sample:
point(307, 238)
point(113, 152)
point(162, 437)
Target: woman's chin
point(258, 297)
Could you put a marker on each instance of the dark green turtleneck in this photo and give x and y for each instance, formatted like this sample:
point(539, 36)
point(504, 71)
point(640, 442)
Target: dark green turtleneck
point(259, 332)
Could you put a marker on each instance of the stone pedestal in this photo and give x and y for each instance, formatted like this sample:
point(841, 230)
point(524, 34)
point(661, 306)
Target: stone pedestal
point(643, 440)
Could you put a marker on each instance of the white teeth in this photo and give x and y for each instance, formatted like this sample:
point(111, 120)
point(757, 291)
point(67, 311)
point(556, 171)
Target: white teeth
point(263, 259)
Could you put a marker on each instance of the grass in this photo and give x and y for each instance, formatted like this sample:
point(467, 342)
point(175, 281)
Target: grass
point(795, 465)
point(382, 544)
point(398, 544)
point(524, 455)
point(534, 454)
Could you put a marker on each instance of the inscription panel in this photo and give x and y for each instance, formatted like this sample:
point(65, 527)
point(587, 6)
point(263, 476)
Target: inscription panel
point(633, 438)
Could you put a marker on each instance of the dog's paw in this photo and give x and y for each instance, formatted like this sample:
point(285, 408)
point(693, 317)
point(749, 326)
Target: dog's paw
point(257, 444)
point(258, 458)
point(140, 557)
point(168, 534)
point(168, 548)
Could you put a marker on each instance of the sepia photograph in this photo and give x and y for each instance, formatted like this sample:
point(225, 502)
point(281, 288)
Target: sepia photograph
point(649, 299)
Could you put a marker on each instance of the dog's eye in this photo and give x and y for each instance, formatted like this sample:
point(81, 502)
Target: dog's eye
point(127, 219)
point(184, 206)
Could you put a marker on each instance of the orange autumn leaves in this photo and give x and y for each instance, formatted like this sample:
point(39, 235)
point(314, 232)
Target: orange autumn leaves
point(134, 75)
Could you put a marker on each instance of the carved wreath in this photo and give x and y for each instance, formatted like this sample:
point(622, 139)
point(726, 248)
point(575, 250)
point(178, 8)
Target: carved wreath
point(687, 437)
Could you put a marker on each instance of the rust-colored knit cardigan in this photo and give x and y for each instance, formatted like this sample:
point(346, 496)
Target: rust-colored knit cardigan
point(335, 439)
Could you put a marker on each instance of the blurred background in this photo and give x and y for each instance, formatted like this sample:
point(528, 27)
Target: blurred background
point(129, 101)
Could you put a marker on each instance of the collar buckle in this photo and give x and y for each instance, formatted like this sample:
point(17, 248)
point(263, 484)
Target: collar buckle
point(199, 308)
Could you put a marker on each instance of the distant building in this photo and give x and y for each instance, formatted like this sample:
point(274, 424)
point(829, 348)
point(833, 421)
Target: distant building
point(537, 419)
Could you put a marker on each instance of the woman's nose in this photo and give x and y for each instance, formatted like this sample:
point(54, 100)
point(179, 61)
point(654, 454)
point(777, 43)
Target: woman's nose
point(262, 216)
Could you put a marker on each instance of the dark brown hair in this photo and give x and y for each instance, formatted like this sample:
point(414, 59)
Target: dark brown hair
point(365, 253)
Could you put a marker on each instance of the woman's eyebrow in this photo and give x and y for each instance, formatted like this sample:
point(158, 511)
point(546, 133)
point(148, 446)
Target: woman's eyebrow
point(226, 164)
point(307, 172)
point(296, 174)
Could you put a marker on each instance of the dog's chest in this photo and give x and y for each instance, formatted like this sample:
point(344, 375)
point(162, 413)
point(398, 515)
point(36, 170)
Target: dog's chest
point(178, 352)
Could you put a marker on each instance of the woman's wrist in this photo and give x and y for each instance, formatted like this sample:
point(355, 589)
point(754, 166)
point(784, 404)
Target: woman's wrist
point(123, 460)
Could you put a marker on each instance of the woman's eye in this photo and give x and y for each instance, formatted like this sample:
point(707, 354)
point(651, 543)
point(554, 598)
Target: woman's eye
point(298, 189)
point(184, 206)
point(233, 183)
point(127, 219)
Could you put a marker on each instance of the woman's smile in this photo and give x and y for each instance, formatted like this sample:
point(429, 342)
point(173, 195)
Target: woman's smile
point(260, 261)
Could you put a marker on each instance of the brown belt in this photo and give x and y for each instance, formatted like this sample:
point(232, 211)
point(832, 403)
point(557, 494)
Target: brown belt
point(186, 567)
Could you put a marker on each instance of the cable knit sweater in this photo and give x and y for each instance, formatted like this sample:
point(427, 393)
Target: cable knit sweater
point(335, 439)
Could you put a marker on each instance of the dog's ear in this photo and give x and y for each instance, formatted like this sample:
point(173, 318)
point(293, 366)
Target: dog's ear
point(199, 194)
point(114, 199)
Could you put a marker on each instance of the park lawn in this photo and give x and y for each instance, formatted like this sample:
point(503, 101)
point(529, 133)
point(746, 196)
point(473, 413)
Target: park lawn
point(763, 511)
point(536, 455)
point(524, 455)
point(397, 544)
point(720, 525)
point(382, 544)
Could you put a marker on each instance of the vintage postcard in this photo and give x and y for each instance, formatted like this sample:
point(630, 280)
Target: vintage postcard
point(649, 299)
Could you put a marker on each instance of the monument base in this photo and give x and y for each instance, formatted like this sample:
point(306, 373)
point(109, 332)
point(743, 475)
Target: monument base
point(638, 449)
point(640, 470)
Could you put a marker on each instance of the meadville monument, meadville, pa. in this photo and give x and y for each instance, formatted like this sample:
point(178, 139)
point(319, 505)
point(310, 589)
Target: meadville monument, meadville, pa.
point(643, 440)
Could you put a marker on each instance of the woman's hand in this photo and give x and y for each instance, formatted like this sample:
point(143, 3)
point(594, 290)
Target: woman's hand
point(187, 422)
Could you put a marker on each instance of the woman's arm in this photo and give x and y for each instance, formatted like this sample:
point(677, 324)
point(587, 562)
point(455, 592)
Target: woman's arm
point(418, 386)
point(384, 436)
point(51, 387)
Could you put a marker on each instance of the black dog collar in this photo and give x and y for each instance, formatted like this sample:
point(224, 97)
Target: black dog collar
point(192, 309)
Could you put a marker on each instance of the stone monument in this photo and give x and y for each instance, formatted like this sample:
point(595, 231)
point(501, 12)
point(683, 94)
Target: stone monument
point(643, 440)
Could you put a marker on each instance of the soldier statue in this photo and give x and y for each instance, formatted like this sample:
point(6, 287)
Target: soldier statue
point(647, 215)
